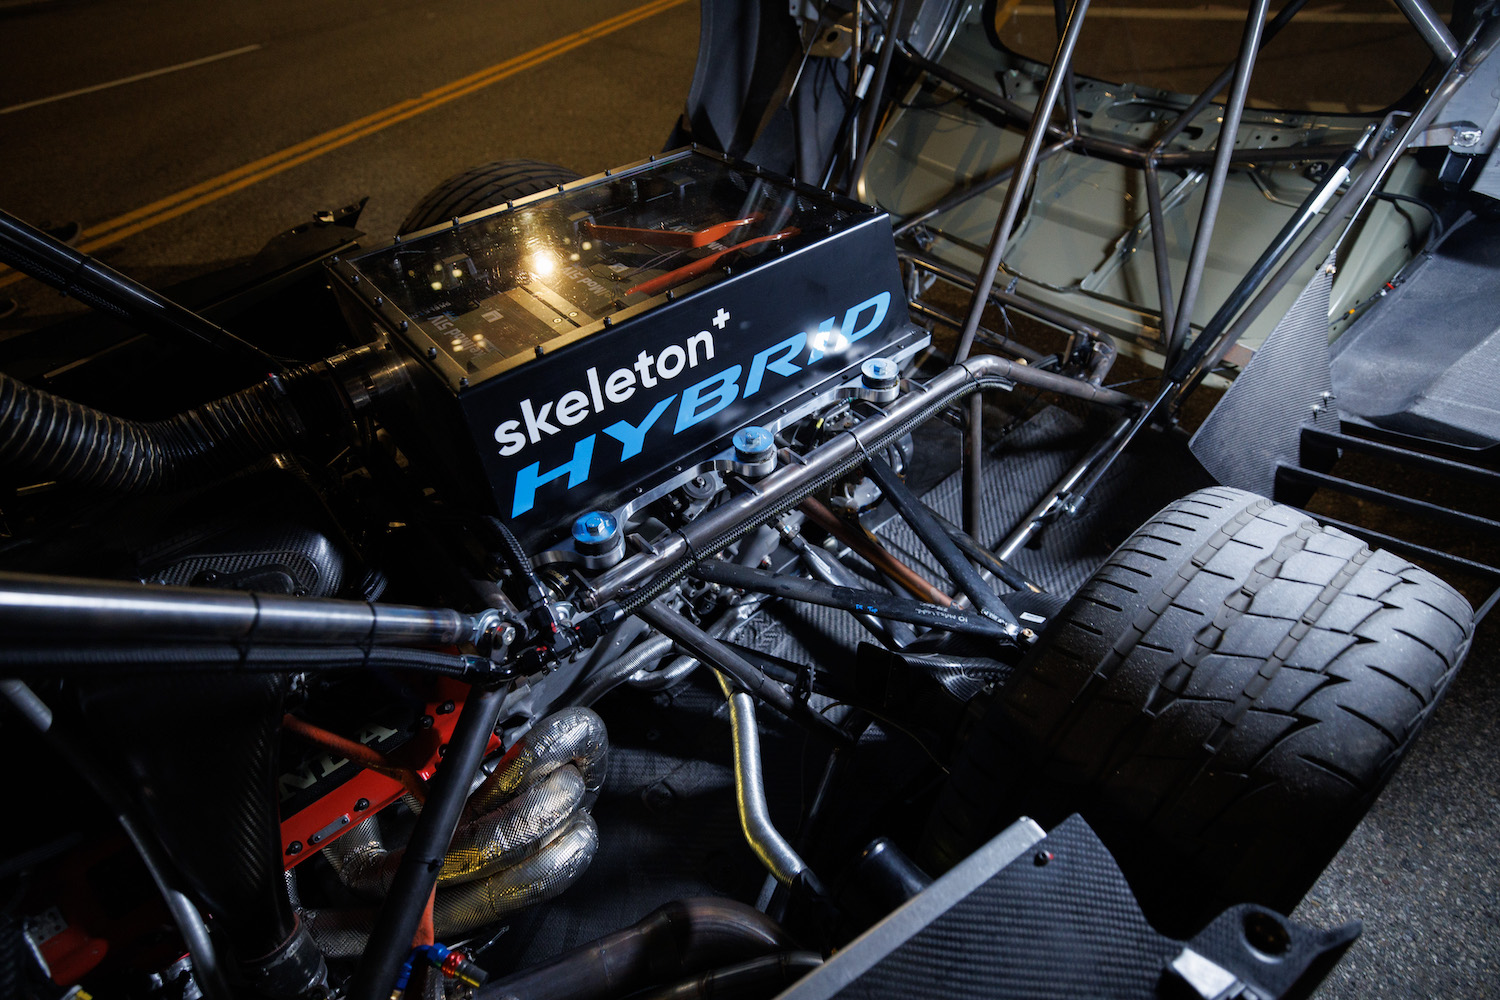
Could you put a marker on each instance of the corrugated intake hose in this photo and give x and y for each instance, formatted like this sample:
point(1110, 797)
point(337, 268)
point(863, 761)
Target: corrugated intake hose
point(46, 434)
point(525, 837)
point(676, 940)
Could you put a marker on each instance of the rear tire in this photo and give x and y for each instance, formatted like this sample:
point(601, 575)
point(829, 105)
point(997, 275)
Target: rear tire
point(1222, 701)
point(482, 187)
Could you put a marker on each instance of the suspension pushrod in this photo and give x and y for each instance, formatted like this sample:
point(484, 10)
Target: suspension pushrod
point(948, 555)
point(742, 672)
point(850, 599)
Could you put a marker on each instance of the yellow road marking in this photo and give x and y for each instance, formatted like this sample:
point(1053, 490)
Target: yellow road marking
point(1006, 11)
point(108, 233)
point(1197, 14)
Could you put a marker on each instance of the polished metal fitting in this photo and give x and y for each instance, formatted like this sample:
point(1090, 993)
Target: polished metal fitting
point(754, 452)
point(598, 538)
point(879, 380)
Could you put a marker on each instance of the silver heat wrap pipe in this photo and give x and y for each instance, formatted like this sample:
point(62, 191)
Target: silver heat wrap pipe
point(525, 836)
point(572, 736)
point(460, 909)
point(479, 848)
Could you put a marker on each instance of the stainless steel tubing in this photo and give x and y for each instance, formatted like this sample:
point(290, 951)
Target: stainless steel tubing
point(773, 850)
point(791, 482)
point(106, 610)
point(1431, 27)
point(1051, 505)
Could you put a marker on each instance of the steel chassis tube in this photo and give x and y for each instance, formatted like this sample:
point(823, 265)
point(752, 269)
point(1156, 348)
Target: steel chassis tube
point(1108, 149)
point(52, 262)
point(390, 938)
point(1010, 209)
point(208, 970)
point(1474, 52)
point(1431, 27)
point(999, 297)
point(1229, 129)
point(716, 528)
point(958, 196)
point(107, 610)
point(1208, 349)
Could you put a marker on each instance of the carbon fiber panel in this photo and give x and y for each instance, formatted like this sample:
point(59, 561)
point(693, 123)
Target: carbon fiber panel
point(1258, 424)
point(1067, 928)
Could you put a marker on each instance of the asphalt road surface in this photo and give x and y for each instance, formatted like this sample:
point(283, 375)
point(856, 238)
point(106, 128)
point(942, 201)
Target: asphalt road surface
point(183, 135)
point(308, 106)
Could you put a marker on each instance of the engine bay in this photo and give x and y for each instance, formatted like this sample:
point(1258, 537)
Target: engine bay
point(606, 617)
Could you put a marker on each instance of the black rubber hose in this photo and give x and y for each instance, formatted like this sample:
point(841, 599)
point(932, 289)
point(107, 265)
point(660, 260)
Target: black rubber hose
point(45, 434)
point(52, 659)
point(679, 939)
point(390, 939)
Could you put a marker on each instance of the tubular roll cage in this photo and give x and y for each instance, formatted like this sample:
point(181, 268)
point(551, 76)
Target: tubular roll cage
point(1188, 358)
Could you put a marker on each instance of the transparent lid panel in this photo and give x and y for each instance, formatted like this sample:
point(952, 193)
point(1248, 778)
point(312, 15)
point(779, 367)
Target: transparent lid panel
point(491, 291)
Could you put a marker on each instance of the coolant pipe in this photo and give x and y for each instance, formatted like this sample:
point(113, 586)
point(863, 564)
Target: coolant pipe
point(391, 937)
point(114, 610)
point(779, 857)
point(678, 939)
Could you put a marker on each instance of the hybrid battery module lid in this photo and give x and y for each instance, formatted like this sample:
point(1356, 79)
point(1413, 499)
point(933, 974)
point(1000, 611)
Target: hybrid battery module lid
point(489, 291)
point(591, 343)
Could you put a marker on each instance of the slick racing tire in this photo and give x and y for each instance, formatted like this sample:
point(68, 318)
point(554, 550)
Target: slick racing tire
point(1222, 701)
point(484, 187)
